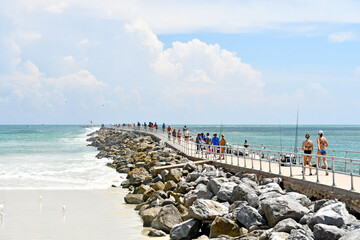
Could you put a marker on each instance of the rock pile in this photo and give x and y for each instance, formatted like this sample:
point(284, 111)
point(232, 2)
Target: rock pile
point(202, 202)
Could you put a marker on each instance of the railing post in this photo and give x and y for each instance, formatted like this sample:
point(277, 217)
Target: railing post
point(245, 157)
point(252, 160)
point(279, 162)
point(346, 156)
point(231, 154)
point(317, 170)
point(268, 157)
point(261, 161)
point(238, 154)
point(351, 175)
point(291, 165)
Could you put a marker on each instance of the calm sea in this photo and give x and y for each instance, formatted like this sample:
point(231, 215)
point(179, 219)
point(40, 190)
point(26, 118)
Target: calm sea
point(51, 157)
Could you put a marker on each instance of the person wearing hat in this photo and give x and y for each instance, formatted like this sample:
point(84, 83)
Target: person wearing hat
point(322, 144)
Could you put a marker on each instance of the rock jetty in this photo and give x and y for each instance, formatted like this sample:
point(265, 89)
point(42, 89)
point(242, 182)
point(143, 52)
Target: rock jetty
point(202, 202)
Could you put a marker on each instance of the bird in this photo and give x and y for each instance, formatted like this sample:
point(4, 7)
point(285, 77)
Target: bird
point(63, 208)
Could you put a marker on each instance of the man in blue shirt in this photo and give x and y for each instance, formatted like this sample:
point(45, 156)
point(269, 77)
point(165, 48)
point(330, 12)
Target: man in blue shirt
point(215, 141)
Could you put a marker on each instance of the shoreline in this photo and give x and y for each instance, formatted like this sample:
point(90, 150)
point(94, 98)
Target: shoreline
point(202, 201)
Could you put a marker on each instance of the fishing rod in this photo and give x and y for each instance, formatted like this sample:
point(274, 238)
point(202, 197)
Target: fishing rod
point(297, 131)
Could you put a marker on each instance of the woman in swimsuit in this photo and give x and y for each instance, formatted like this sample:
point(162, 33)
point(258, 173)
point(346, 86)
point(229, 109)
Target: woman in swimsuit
point(322, 144)
point(308, 147)
point(174, 135)
point(179, 136)
point(222, 143)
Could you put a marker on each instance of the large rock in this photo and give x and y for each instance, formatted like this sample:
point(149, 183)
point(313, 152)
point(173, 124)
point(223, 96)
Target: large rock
point(353, 235)
point(214, 184)
point(223, 226)
point(190, 166)
point(243, 192)
point(169, 186)
point(167, 218)
point(270, 187)
point(174, 175)
point(286, 225)
point(324, 232)
point(333, 214)
point(156, 233)
point(148, 215)
point(277, 209)
point(158, 186)
point(133, 198)
point(300, 234)
point(203, 209)
point(278, 236)
point(225, 191)
point(248, 216)
point(138, 176)
point(185, 230)
point(301, 198)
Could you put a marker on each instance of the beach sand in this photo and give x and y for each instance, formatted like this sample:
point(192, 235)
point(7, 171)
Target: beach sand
point(89, 214)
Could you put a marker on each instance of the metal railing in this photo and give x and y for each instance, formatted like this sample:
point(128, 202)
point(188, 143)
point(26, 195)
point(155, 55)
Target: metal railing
point(261, 156)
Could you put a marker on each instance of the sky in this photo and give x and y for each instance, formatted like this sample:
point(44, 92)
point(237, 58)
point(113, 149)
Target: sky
point(200, 62)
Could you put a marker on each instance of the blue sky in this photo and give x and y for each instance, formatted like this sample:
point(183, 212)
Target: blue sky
point(240, 62)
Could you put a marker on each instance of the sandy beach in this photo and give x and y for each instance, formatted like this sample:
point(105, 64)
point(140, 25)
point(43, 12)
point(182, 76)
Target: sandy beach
point(89, 214)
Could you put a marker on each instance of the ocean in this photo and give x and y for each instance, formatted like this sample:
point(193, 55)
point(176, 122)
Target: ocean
point(51, 157)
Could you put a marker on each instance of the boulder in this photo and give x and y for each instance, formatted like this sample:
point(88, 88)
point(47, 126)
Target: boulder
point(270, 187)
point(133, 198)
point(185, 230)
point(138, 176)
point(191, 177)
point(300, 234)
point(250, 176)
point(248, 216)
point(190, 166)
point(203, 209)
point(279, 236)
point(286, 225)
point(243, 192)
point(277, 209)
point(301, 198)
point(223, 226)
point(265, 181)
point(203, 180)
point(174, 175)
point(168, 217)
point(170, 186)
point(190, 197)
point(353, 235)
point(147, 194)
point(324, 232)
point(158, 186)
point(148, 215)
point(225, 191)
point(156, 233)
point(214, 184)
point(334, 214)
point(142, 188)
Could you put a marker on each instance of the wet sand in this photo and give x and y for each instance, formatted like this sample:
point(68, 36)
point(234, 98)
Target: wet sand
point(89, 214)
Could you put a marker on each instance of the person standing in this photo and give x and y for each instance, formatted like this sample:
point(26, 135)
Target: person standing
point(174, 135)
point(186, 135)
point(163, 127)
point(179, 136)
point(322, 144)
point(215, 143)
point(222, 149)
point(208, 143)
point(169, 132)
point(308, 148)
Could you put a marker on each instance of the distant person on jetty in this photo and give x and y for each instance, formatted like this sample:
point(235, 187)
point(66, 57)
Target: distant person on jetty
point(322, 144)
point(179, 136)
point(208, 143)
point(246, 145)
point(186, 134)
point(169, 132)
point(215, 143)
point(174, 135)
point(184, 128)
point(163, 127)
point(198, 143)
point(222, 149)
point(308, 148)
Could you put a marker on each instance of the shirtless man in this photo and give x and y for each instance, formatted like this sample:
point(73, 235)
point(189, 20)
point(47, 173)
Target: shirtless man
point(308, 148)
point(322, 144)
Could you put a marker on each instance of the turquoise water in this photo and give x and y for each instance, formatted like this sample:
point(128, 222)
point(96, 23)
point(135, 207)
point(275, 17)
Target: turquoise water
point(50, 157)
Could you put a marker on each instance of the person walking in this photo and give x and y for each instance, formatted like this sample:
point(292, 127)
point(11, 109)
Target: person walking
point(215, 143)
point(169, 132)
point(208, 144)
point(322, 144)
point(174, 135)
point(163, 127)
point(222, 149)
point(308, 148)
point(179, 136)
point(198, 144)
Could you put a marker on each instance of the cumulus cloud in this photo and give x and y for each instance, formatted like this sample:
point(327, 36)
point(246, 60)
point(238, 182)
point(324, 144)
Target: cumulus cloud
point(57, 7)
point(340, 37)
point(318, 90)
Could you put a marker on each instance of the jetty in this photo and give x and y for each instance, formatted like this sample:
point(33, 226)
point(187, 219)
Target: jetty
point(266, 161)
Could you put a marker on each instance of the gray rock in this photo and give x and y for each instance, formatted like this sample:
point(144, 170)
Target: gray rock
point(333, 214)
point(168, 217)
point(353, 235)
point(279, 236)
point(277, 209)
point(300, 234)
point(174, 175)
point(324, 232)
point(185, 230)
point(202, 180)
point(204, 194)
point(271, 187)
point(305, 218)
point(250, 176)
point(148, 215)
point(190, 166)
point(301, 198)
point(225, 191)
point(203, 209)
point(191, 177)
point(322, 203)
point(214, 184)
point(190, 197)
point(269, 195)
point(223, 226)
point(248, 216)
point(286, 225)
point(156, 233)
point(243, 192)
point(170, 186)
point(265, 181)
point(133, 198)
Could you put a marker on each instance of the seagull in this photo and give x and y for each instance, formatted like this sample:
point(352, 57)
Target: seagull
point(63, 207)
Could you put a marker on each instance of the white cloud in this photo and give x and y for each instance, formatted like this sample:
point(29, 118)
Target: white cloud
point(81, 79)
point(198, 76)
point(83, 42)
point(318, 90)
point(342, 37)
point(69, 59)
point(357, 70)
point(57, 7)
